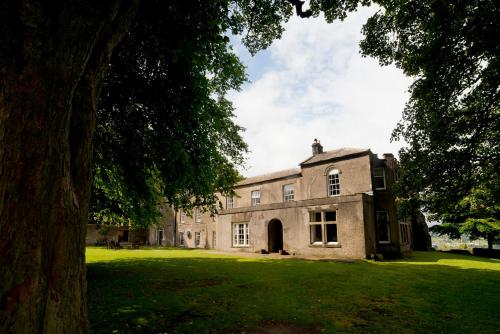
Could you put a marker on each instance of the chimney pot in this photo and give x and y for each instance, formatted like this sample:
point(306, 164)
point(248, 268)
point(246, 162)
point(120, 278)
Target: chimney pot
point(316, 147)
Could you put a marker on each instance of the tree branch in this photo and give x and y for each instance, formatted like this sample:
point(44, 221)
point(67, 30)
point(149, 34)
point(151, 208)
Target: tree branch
point(298, 8)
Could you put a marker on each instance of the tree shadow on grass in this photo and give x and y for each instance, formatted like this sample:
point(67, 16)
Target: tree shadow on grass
point(234, 295)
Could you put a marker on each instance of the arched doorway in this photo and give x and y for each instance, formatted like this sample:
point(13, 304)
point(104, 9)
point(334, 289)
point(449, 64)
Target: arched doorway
point(275, 236)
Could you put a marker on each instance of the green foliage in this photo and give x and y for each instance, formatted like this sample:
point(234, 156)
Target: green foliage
point(164, 126)
point(105, 229)
point(449, 229)
point(452, 120)
point(481, 228)
point(477, 215)
point(336, 9)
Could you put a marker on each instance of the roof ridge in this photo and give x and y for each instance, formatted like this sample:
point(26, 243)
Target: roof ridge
point(327, 155)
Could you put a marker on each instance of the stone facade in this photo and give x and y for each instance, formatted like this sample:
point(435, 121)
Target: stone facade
point(163, 232)
point(160, 234)
point(196, 230)
point(99, 235)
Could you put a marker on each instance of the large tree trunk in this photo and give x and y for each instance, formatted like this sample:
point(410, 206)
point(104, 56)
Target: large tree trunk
point(53, 55)
point(490, 239)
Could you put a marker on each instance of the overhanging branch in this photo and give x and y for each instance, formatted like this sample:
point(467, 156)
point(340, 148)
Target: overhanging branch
point(298, 8)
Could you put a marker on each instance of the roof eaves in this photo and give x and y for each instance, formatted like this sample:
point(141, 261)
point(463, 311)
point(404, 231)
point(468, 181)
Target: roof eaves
point(264, 180)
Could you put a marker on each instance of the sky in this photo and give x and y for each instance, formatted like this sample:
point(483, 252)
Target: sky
point(313, 83)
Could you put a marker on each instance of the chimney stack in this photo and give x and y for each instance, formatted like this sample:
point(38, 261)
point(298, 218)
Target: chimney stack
point(316, 147)
point(389, 159)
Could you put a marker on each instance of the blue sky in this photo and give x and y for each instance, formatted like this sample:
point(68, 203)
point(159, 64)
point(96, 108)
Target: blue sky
point(313, 83)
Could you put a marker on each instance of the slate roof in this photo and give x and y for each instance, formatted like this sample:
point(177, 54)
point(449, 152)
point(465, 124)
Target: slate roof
point(343, 152)
point(340, 153)
point(282, 174)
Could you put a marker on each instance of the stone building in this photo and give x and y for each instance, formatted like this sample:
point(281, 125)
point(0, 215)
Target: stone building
point(198, 230)
point(160, 234)
point(338, 203)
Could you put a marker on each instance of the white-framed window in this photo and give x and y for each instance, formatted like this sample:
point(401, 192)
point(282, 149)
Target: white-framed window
point(181, 238)
point(197, 215)
point(288, 194)
point(379, 178)
point(383, 227)
point(197, 239)
point(255, 197)
point(182, 215)
point(229, 202)
point(404, 230)
point(323, 227)
point(214, 239)
point(333, 182)
point(240, 235)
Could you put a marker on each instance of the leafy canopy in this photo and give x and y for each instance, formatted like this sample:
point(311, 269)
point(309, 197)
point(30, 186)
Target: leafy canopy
point(165, 129)
point(452, 120)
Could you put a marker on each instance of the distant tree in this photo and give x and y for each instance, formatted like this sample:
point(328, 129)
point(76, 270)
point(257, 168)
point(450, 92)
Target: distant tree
point(477, 215)
point(451, 167)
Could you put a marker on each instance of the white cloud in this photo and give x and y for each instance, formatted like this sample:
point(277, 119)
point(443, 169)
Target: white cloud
point(318, 86)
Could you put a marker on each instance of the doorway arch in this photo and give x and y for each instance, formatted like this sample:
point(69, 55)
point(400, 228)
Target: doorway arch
point(275, 236)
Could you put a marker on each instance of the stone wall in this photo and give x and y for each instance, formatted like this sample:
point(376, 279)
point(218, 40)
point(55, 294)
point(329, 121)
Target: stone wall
point(294, 217)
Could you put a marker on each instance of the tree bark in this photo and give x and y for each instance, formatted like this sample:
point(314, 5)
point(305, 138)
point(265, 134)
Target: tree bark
point(490, 242)
point(53, 56)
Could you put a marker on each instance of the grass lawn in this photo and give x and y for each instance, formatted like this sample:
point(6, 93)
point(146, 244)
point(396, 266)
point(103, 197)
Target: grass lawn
point(193, 291)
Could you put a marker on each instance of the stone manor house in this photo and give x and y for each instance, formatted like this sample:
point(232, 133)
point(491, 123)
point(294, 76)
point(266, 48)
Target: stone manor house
point(338, 203)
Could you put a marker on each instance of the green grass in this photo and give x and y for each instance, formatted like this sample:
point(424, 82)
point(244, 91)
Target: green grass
point(191, 291)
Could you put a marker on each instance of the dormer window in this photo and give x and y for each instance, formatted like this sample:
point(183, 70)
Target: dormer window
point(379, 178)
point(333, 182)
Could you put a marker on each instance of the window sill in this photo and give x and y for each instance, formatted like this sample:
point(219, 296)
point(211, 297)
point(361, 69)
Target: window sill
point(384, 242)
point(243, 246)
point(326, 245)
